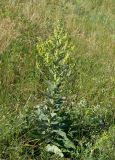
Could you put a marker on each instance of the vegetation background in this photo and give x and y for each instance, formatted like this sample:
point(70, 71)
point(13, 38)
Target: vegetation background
point(89, 91)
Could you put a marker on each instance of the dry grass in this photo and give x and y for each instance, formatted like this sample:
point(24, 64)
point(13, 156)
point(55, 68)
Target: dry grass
point(7, 32)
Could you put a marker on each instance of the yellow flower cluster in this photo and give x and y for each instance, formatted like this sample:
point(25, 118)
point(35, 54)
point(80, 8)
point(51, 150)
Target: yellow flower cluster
point(57, 49)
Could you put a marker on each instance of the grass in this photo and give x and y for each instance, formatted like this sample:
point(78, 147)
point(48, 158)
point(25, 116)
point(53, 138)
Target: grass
point(90, 25)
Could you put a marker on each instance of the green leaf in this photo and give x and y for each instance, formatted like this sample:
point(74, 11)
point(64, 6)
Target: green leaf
point(67, 142)
point(54, 149)
point(61, 133)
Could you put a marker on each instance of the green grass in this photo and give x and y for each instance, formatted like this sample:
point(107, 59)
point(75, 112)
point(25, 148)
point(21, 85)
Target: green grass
point(90, 90)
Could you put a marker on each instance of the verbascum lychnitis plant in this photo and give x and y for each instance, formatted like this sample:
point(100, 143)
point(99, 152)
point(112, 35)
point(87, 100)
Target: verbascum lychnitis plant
point(56, 55)
point(52, 120)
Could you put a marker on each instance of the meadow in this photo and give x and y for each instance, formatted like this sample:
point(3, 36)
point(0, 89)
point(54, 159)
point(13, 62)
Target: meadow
point(57, 79)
